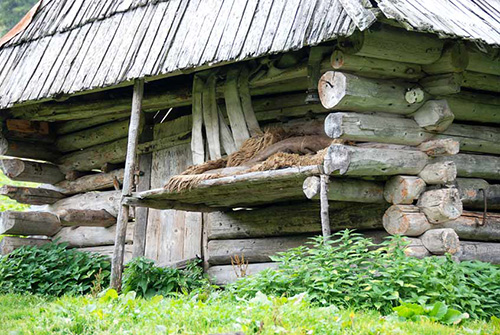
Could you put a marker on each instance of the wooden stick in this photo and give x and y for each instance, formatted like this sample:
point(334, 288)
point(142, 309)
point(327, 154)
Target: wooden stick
point(325, 217)
point(128, 179)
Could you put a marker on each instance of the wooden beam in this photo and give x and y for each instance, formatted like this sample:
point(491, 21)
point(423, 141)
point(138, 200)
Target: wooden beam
point(234, 108)
point(343, 91)
point(351, 190)
point(91, 182)
point(29, 223)
point(454, 58)
point(211, 117)
point(373, 67)
point(36, 172)
point(481, 81)
point(472, 193)
point(128, 179)
point(80, 237)
point(38, 151)
point(292, 219)
point(90, 137)
point(442, 84)
point(11, 243)
point(356, 161)
point(386, 42)
point(474, 166)
point(197, 145)
point(26, 130)
point(403, 189)
point(107, 200)
point(442, 173)
point(86, 218)
point(480, 251)
point(31, 196)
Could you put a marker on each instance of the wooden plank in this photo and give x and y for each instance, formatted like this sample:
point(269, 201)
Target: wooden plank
point(211, 117)
point(197, 145)
point(108, 251)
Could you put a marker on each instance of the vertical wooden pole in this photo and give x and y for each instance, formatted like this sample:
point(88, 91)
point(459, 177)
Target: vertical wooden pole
point(128, 180)
point(325, 216)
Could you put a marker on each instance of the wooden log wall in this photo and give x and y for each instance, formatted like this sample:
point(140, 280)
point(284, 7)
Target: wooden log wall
point(420, 122)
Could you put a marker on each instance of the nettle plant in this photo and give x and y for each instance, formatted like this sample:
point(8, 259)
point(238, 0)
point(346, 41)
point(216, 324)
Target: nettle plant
point(53, 270)
point(351, 271)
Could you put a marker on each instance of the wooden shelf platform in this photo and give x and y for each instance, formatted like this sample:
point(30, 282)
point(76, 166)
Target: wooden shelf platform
point(243, 190)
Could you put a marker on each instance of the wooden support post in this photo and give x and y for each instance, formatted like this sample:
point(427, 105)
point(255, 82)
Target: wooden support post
point(346, 190)
point(325, 217)
point(211, 117)
point(128, 179)
point(454, 58)
point(246, 102)
point(234, 108)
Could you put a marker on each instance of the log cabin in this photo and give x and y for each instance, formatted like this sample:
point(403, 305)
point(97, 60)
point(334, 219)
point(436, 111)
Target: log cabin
point(174, 129)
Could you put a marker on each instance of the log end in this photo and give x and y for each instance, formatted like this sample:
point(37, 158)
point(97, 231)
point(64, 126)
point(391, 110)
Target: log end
point(442, 205)
point(337, 159)
point(405, 220)
point(332, 88)
point(311, 186)
point(415, 95)
point(337, 59)
point(333, 125)
point(434, 115)
point(12, 167)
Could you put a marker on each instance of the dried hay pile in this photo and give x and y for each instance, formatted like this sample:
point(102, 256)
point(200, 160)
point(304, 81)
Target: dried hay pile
point(193, 175)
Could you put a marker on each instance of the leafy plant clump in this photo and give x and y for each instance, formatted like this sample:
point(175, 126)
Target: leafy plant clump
point(350, 271)
point(52, 269)
point(148, 280)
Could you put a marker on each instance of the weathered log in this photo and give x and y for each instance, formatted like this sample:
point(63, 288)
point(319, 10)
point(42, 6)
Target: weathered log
point(29, 223)
point(440, 147)
point(441, 205)
point(405, 220)
point(442, 173)
point(345, 91)
point(80, 237)
point(394, 44)
point(226, 274)
point(441, 241)
point(73, 175)
point(434, 115)
point(108, 251)
point(481, 81)
point(479, 251)
point(31, 196)
point(86, 218)
point(90, 137)
point(416, 248)
point(473, 108)
point(255, 250)
point(246, 102)
point(197, 146)
point(355, 161)
point(483, 62)
point(474, 166)
point(403, 189)
point(353, 190)
point(26, 130)
point(442, 84)
point(94, 157)
point(404, 131)
point(108, 201)
point(472, 193)
point(454, 58)
point(91, 182)
point(373, 67)
point(20, 170)
point(470, 226)
point(68, 127)
point(38, 151)
point(294, 219)
point(11, 243)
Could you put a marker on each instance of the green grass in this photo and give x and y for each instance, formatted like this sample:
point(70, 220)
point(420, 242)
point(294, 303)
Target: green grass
point(26, 314)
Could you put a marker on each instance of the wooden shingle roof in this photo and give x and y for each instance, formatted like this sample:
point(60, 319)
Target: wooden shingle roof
point(79, 45)
point(74, 46)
